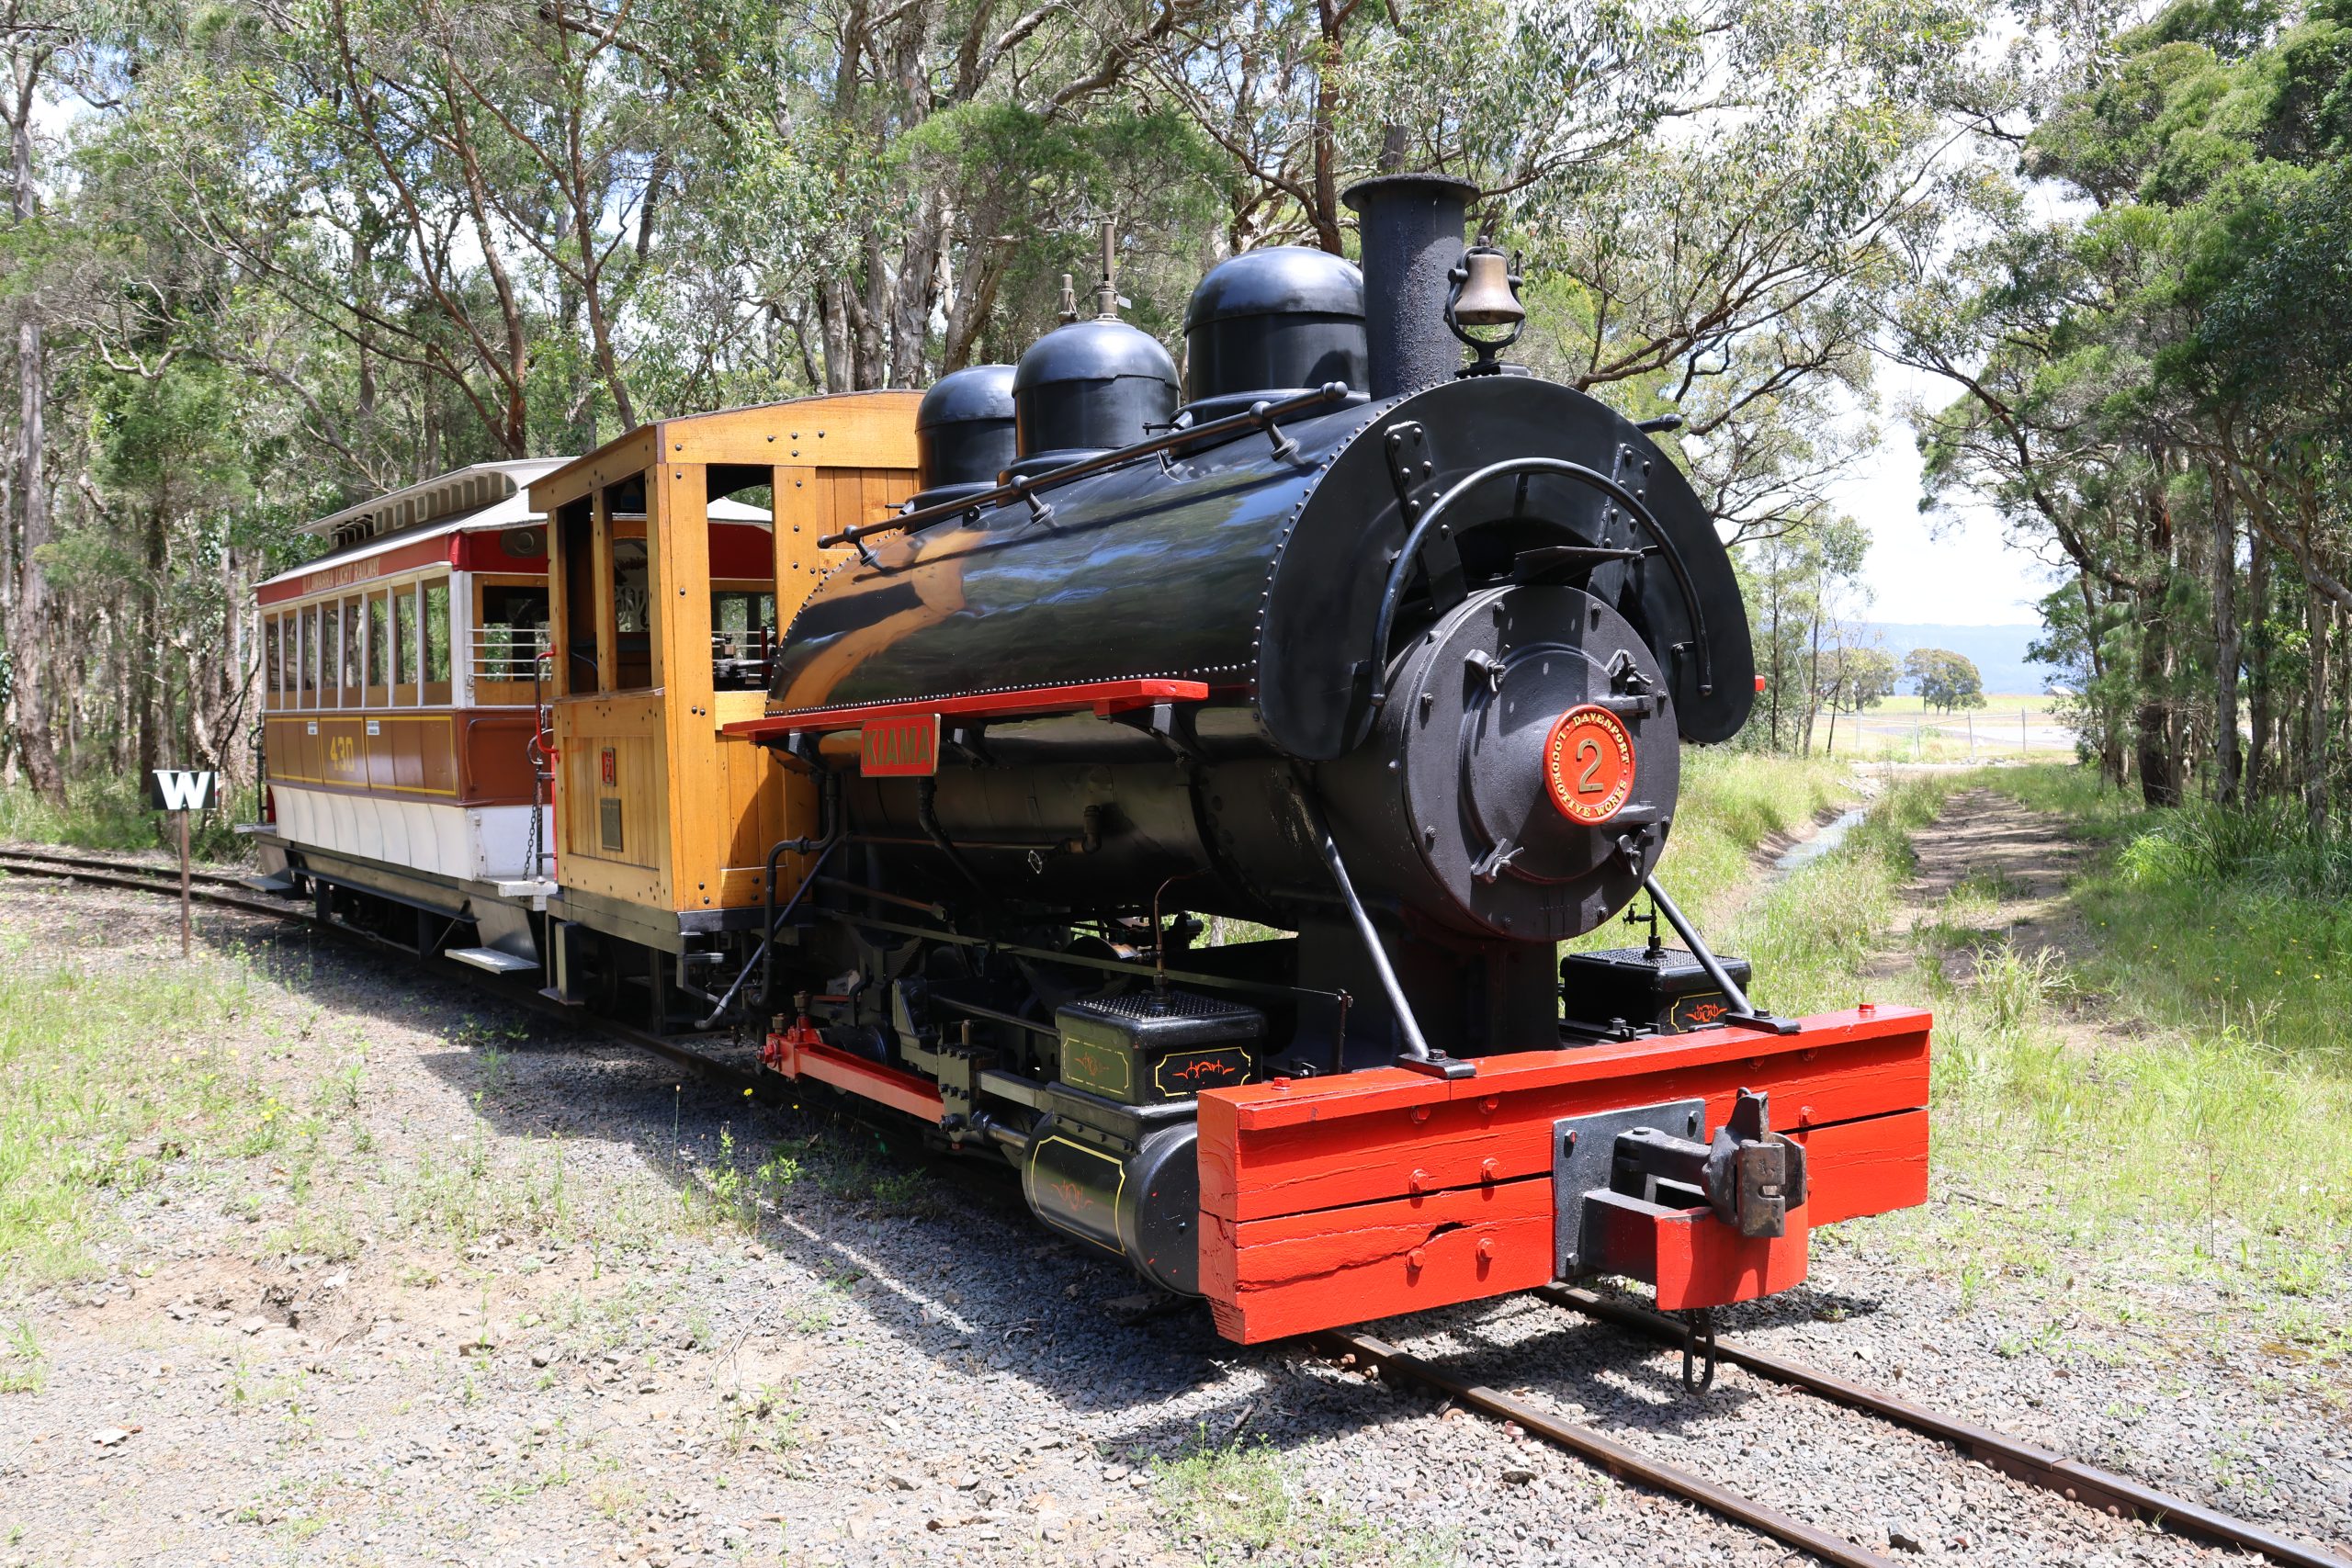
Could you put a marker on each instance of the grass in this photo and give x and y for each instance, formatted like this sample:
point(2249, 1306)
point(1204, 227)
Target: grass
point(2174, 1097)
point(108, 1077)
point(1234, 1503)
point(1732, 801)
point(113, 814)
point(1813, 933)
point(2209, 919)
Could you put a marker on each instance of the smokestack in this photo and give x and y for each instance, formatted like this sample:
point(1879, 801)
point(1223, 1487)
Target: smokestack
point(1411, 229)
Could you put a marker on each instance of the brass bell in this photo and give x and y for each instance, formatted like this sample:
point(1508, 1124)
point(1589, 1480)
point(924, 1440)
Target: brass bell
point(1486, 297)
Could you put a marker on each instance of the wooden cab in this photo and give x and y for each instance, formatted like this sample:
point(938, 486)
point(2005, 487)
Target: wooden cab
point(677, 554)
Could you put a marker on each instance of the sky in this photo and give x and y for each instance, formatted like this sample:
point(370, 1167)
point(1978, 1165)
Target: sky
point(1945, 570)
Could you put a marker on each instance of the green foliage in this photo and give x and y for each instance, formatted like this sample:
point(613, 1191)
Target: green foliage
point(2153, 384)
point(1944, 680)
point(113, 814)
point(97, 1097)
point(1801, 584)
point(286, 257)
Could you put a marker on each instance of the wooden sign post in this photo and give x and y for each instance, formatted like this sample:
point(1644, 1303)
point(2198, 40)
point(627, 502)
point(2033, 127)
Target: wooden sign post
point(182, 791)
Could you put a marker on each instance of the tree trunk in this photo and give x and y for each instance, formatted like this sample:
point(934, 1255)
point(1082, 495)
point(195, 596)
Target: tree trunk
point(29, 634)
point(150, 703)
point(1326, 216)
point(2257, 593)
point(2315, 724)
point(833, 316)
point(2226, 779)
point(2152, 725)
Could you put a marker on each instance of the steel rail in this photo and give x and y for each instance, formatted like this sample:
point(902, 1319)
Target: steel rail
point(1611, 1455)
point(2078, 1482)
point(98, 862)
point(115, 874)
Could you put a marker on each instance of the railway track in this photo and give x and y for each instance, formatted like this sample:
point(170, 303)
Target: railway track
point(2082, 1484)
point(2085, 1485)
point(225, 891)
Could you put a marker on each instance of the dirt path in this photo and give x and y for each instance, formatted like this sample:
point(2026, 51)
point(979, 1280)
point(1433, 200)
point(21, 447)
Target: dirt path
point(1989, 869)
point(1983, 840)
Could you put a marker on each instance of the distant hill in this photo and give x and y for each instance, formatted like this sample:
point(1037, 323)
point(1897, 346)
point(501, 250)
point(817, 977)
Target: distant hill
point(1999, 652)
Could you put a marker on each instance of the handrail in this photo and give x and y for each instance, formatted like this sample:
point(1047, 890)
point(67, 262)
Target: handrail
point(501, 646)
point(1257, 416)
point(1401, 571)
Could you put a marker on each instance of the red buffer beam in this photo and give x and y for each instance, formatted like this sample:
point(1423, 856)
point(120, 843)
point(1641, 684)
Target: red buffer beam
point(1343, 1200)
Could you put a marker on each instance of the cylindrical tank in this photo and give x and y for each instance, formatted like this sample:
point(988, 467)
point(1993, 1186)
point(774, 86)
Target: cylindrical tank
point(1088, 388)
point(1411, 229)
point(1272, 322)
point(964, 436)
point(1259, 574)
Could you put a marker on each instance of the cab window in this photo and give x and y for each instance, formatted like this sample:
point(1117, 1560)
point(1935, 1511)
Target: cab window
point(379, 650)
point(355, 651)
point(510, 632)
point(743, 635)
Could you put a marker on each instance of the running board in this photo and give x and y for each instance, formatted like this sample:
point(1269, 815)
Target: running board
point(495, 960)
point(279, 882)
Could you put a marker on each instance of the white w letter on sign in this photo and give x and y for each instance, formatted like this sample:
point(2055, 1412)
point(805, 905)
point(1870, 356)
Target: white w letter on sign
point(182, 790)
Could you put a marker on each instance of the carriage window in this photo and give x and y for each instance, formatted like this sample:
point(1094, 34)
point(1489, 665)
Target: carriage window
point(379, 648)
point(271, 678)
point(355, 651)
point(308, 656)
point(404, 644)
point(330, 652)
point(743, 633)
point(512, 631)
point(437, 641)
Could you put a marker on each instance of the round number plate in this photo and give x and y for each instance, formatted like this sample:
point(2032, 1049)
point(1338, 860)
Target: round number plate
point(1589, 764)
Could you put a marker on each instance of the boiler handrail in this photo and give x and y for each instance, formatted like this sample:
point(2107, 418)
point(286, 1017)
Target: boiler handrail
point(1401, 571)
point(1257, 416)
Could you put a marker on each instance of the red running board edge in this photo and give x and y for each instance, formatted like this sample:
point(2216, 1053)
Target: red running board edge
point(1104, 697)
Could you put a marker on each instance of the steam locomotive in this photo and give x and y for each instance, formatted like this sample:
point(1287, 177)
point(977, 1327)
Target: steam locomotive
point(1183, 793)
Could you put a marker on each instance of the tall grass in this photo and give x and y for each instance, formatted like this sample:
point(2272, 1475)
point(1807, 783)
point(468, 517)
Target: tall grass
point(112, 814)
point(2205, 1142)
point(1814, 934)
point(2207, 918)
point(1732, 801)
point(2175, 1085)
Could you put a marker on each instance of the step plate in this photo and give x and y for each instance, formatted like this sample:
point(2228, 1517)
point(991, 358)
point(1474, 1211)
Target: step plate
point(492, 958)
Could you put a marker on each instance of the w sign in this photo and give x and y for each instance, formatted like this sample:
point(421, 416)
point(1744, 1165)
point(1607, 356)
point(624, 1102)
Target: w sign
point(182, 789)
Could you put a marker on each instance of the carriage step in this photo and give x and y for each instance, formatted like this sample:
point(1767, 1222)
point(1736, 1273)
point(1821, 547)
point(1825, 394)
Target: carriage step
point(495, 960)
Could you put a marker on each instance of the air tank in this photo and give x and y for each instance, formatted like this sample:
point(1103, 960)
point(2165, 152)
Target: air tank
point(1270, 323)
point(964, 432)
point(1087, 387)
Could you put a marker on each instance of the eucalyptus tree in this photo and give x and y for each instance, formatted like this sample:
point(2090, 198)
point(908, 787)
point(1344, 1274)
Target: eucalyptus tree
point(2154, 381)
